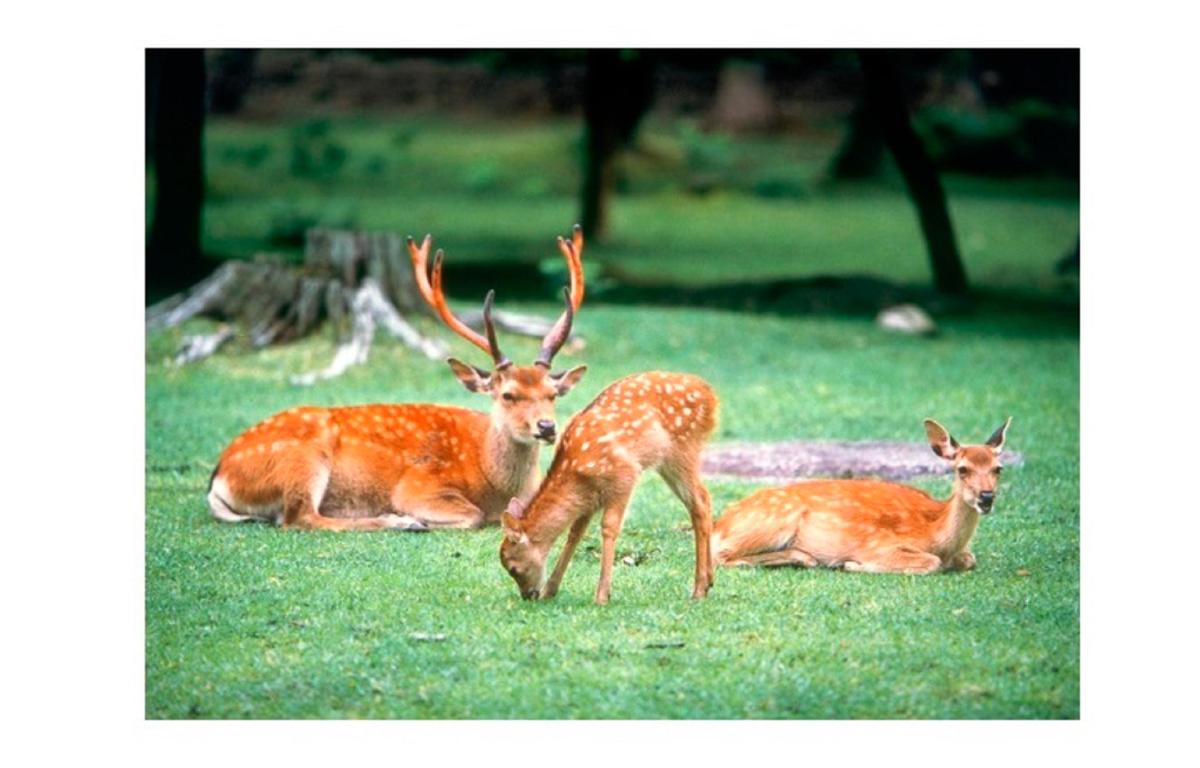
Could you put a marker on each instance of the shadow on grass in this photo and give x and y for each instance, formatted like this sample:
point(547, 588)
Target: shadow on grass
point(1009, 313)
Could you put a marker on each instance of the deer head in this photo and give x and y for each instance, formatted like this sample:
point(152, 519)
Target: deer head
point(518, 555)
point(522, 395)
point(976, 467)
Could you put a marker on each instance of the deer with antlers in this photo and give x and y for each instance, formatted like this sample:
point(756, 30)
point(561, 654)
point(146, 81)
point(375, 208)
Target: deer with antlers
point(645, 421)
point(408, 466)
point(867, 525)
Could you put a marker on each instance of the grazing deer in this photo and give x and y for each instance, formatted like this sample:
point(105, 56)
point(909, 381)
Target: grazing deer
point(867, 525)
point(644, 421)
point(413, 466)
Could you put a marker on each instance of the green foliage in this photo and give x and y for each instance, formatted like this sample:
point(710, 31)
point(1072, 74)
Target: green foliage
point(500, 192)
point(314, 154)
point(1028, 137)
point(481, 176)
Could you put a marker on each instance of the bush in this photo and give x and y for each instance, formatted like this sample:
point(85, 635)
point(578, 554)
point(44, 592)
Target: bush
point(314, 154)
point(1027, 137)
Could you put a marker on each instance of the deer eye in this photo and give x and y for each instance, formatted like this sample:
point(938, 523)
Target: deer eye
point(963, 471)
point(997, 471)
point(509, 397)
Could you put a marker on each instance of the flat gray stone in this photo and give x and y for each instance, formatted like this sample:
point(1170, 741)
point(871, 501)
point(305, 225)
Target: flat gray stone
point(799, 460)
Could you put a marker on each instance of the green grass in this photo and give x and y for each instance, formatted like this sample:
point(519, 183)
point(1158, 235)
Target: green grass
point(500, 192)
point(253, 621)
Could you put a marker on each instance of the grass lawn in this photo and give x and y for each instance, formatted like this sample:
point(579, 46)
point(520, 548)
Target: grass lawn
point(253, 621)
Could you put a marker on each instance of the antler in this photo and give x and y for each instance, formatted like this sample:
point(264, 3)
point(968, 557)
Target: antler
point(572, 251)
point(434, 296)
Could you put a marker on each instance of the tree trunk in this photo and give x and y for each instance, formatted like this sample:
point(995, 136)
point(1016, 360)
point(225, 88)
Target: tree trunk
point(617, 91)
point(861, 154)
point(175, 81)
point(884, 98)
point(357, 281)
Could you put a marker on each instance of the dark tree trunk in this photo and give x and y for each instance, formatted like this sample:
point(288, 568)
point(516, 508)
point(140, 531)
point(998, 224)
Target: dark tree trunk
point(175, 81)
point(861, 153)
point(884, 98)
point(617, 91)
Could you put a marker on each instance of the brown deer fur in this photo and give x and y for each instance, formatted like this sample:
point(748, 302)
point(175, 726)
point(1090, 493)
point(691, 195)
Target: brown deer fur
point(406, 467)
point(645, 421)
point(867, 525)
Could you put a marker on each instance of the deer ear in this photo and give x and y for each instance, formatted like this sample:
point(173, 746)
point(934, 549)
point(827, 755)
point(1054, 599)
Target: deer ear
point(516, 508)
point(996, 441)
point(474, 379)
point(940, 440)
point(564, 382)
point(513, 519)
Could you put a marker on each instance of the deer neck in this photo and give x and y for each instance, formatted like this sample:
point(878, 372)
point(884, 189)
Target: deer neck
point(549, 513)
point(958, 523)
point(508, 464)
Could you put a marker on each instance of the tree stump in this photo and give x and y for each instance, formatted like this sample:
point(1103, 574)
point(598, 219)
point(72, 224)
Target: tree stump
point(355, 281)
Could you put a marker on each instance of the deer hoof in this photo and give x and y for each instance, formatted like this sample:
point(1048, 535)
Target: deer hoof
point(404, 523)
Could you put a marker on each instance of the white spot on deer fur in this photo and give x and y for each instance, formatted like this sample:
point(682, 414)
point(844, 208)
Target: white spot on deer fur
point(679, 421)
point(687, 411)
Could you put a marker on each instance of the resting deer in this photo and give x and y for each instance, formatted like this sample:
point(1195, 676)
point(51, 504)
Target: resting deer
point(413, 466)
point(645, 421)
point(867, 525)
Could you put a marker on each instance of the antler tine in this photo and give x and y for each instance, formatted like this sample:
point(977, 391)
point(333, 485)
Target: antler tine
point(420, 262)
point(558, 333)
point(438, 300)
point(572, 251)
point(497, 356)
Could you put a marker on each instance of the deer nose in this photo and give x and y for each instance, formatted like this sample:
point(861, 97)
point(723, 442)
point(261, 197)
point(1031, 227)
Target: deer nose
point(545, 426)
point(986, 498)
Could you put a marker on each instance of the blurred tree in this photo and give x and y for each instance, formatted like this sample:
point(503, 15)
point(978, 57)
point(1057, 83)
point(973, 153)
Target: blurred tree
point(618, 89)
point(861, 154)
point(884, 101)
point(230, 77)
point(175, 85)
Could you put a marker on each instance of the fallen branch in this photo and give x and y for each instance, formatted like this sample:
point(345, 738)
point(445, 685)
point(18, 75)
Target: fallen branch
point(194, 348)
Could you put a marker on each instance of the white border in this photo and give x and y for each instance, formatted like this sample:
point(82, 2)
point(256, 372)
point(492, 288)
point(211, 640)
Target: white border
point(73, 566)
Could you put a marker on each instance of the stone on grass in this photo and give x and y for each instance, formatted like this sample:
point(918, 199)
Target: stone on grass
point(906, 318)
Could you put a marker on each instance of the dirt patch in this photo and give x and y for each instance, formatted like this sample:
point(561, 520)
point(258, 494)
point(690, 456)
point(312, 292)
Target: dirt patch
point(803, 459)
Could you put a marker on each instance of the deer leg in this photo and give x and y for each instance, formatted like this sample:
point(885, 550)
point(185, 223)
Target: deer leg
point(963, 561)
point(685, 483)
point(302, 502)
point(578, 528)
point(447, 511)
point(777, 558)
point(896, 560)
point(610, 526)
